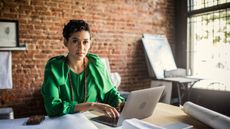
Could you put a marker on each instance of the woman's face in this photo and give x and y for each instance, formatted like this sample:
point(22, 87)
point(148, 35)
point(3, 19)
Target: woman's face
point(78, 44)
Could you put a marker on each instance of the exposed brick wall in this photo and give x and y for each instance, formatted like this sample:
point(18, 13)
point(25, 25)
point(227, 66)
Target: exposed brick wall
point(117, 27)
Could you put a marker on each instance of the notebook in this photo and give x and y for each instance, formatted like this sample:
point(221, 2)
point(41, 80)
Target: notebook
point(140, 104)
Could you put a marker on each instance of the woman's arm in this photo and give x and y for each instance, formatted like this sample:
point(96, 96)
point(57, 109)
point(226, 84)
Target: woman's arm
point(100, 107)
point(50, 91)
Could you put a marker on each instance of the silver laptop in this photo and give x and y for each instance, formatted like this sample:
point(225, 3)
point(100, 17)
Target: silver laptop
point(140, 104)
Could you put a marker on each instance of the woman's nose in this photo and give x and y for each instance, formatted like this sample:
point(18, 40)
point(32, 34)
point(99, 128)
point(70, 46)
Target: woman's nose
point(80, 45)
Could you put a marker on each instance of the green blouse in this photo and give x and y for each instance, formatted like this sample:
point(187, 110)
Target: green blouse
point(56, 86)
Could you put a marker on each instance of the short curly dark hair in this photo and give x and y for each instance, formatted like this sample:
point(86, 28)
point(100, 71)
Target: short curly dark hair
point(75, 26)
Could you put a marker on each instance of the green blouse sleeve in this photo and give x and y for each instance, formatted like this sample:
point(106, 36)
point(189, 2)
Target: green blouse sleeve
point(107, 91)
point(113, 97)
point(50, 91)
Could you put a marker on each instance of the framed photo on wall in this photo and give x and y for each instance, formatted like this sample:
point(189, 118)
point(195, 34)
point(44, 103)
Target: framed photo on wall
point(9, 33)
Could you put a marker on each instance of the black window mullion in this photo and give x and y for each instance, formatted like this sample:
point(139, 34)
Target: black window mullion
point(208, 9)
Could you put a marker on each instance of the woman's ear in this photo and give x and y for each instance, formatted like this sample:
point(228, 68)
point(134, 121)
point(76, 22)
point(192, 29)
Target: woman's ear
point(65, 42)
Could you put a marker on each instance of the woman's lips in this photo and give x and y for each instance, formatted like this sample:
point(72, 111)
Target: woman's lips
point(80, 53)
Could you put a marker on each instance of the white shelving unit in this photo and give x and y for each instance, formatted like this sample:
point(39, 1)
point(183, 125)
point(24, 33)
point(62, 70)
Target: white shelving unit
point(20, 48)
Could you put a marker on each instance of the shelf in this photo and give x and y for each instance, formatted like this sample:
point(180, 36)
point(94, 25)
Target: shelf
point(21, 48)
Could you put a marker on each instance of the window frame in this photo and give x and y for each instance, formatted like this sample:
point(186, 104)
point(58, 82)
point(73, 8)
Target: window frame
point(191, 13)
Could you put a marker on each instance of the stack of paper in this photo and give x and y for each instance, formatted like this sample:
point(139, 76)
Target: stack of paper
point(138, 124)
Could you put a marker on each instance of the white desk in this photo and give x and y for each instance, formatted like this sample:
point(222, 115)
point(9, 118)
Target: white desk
point(70, 121)
point(182, 83)
point(164, 114)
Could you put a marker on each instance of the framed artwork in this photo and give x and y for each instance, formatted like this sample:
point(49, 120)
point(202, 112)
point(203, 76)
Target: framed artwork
point(158, 54)
point(9, 33)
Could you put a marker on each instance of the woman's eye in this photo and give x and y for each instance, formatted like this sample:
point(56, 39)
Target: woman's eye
point(75, 41)
point(85, 42)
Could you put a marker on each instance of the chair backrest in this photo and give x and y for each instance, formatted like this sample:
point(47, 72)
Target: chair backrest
point(175, 73)
point(106, 63)
point(114, 77)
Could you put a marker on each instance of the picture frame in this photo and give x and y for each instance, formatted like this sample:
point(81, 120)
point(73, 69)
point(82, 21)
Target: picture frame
point(9, 33)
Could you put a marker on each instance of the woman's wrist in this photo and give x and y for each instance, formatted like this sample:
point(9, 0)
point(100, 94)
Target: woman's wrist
point(91, 106)
point(84, 107)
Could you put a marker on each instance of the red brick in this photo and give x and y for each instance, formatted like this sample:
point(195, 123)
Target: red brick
point(117, 28)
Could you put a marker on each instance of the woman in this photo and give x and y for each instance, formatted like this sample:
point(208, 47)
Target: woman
point(79, 81)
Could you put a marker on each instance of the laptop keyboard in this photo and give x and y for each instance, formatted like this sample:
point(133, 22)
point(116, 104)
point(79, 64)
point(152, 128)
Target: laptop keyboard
point(106, 120)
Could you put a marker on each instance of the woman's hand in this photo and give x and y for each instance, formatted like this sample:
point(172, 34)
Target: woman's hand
point(106, 109)
point(100, 107)
point(120, 106)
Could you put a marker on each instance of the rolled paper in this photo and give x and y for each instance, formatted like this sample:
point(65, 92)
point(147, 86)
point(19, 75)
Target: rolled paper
point(207, 116)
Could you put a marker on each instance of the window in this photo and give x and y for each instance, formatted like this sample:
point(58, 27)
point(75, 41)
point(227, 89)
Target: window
point(209, 38)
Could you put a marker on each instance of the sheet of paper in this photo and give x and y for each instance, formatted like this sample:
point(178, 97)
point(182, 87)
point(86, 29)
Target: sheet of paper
point(178, 125)
point(5, 70)
point(159, 54)
point(70, 121)
point(138, 124)
point(11, 123)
